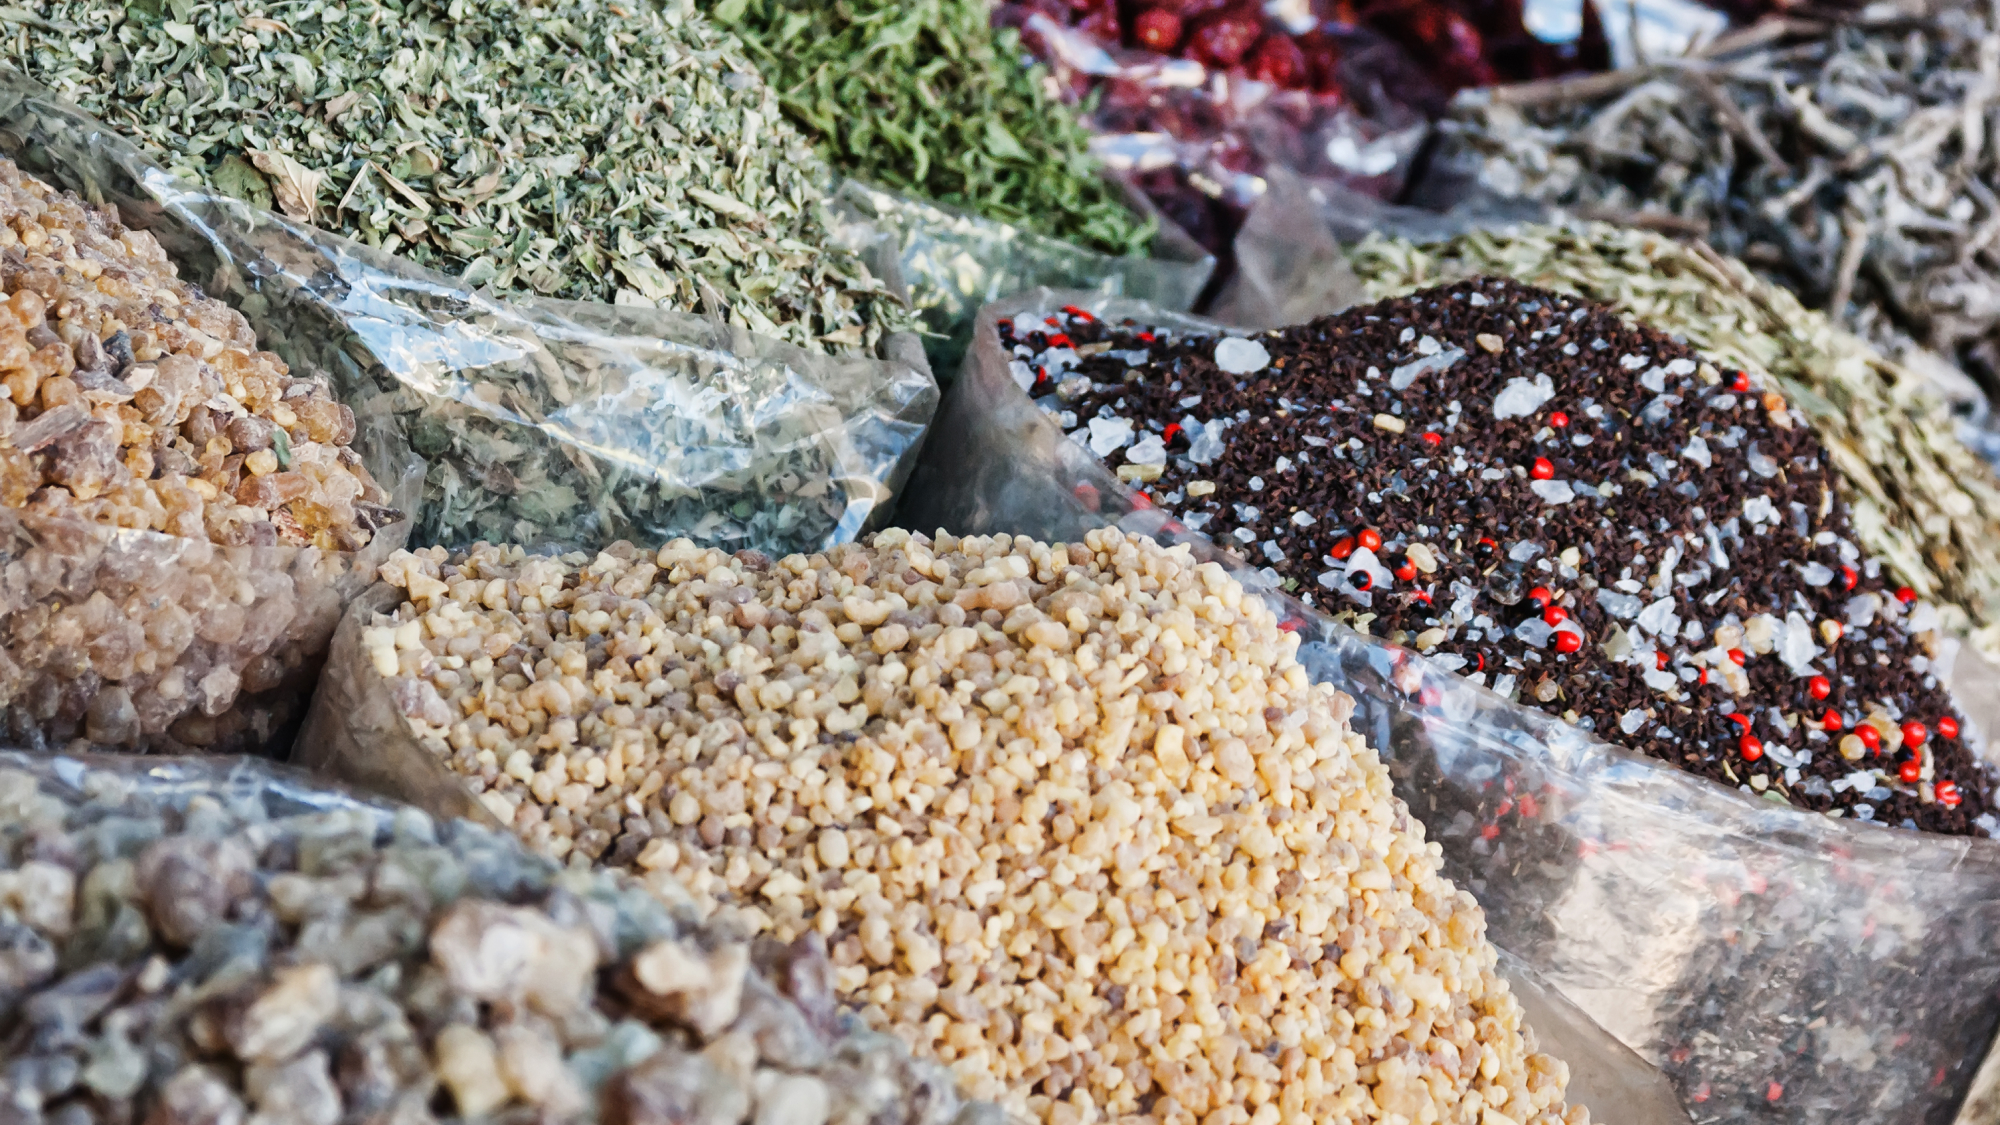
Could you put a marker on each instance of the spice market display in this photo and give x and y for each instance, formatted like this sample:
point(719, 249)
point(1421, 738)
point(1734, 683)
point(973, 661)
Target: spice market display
point(931, 101)
point(585, 150)
point(1071, 818)
point(1918, 498)
point(1854, 163)
point(1585, 515)
point(173, 503)
point(188, 946)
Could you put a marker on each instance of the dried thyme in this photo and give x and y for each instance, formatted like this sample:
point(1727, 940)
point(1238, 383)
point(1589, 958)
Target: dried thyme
point(1922, 502)
point(927, 98)
point(588, 149)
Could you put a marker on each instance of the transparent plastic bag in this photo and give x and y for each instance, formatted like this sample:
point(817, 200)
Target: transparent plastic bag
point(246, 943)
point(954, 264)
point(556, 422)
point(1774, 964)
point(142, 640)
point(1199, 140)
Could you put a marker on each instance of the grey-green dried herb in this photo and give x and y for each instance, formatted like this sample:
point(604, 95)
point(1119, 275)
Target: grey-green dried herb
point(587, 149)
point(1922, 502)
point(925, 97)
point(1855, 163)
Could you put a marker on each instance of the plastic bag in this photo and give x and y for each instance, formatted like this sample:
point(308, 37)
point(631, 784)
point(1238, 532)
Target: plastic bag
point(140, 640)
point(1197, 140)
point(567, 423)
point(275, 950)
point(954, 264)
point(1774, 964)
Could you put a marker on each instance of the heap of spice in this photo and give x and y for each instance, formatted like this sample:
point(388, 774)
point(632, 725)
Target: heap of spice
point(1071, 818)
point(1852, 162)
point(586, 150)
point(930, 100)
point(1585, 515)
point(189, 949)
point(1918, 498)
point(131, 403)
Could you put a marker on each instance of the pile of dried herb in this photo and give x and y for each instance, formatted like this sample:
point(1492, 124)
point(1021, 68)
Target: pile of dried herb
point(928, 99)
point(1854, 163)
point(1922, 502)
point(583, 149)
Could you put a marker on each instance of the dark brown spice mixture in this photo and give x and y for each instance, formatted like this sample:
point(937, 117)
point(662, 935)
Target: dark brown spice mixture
point(1526, 466)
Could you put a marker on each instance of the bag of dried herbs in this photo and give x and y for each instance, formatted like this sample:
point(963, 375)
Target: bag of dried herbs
point(1602, 574)
point(204, 942)
point(1922, 502)
point(182, 514)
point(1070, 817)
point(540, 420)
point(928, 99)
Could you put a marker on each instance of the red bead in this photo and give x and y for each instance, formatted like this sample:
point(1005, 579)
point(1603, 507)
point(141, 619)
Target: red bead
point(1361, 580)
point(1831, 721)
point(1543, 469)
point(1819, 687)
point(1741, 720)
point(1555, 615)
point(1947, 727)
point(1870, 737)
point(1407, 572)
point(1558, 419)
point(1736, 655)
point(1660, 661)
point(1741, 383)
point(1540, 595)
point(1704, 677)
point(1905, 595)
point(1849, 576)
point(1568, 642)
point(1341, 549)
point(1947, 794)
point(1911, 771)
point(1752, 747)
point(1172, 431)
point(1434, 439)
point(1371, 539)
point(1059, 340)
point(1914, 734)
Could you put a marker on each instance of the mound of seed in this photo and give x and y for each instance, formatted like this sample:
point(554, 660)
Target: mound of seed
point(589, 150)
point(1583, 514)
point(1071, 818)
point(131, 403)
point(1919, 499)
point(182, 950)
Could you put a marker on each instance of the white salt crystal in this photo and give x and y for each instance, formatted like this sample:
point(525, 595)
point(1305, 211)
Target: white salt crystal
point(1238, 356)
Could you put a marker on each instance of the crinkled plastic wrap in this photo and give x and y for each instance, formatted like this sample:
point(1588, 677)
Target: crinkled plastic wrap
point(954, 264)
point(356, 733)
point(140, 640)
point(566, 423)
point(1775, 964)
point(1198, 141)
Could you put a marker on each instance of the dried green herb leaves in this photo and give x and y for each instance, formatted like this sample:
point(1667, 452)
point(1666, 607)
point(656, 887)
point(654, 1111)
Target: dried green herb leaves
point(586, 149)
point(926, 98)
point(1855, 163)
point(1922, 502)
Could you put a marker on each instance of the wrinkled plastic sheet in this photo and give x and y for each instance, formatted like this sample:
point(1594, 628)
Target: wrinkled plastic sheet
point(1774, 964)
point(243, 628)
point(254, 789)
point(356, 732)
point(954, 264)
point(605, 422)
point(1193, 136)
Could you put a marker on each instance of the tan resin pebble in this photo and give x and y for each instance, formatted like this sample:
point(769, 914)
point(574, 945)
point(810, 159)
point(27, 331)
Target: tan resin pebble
point(1072, 819)
point(130, 403)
